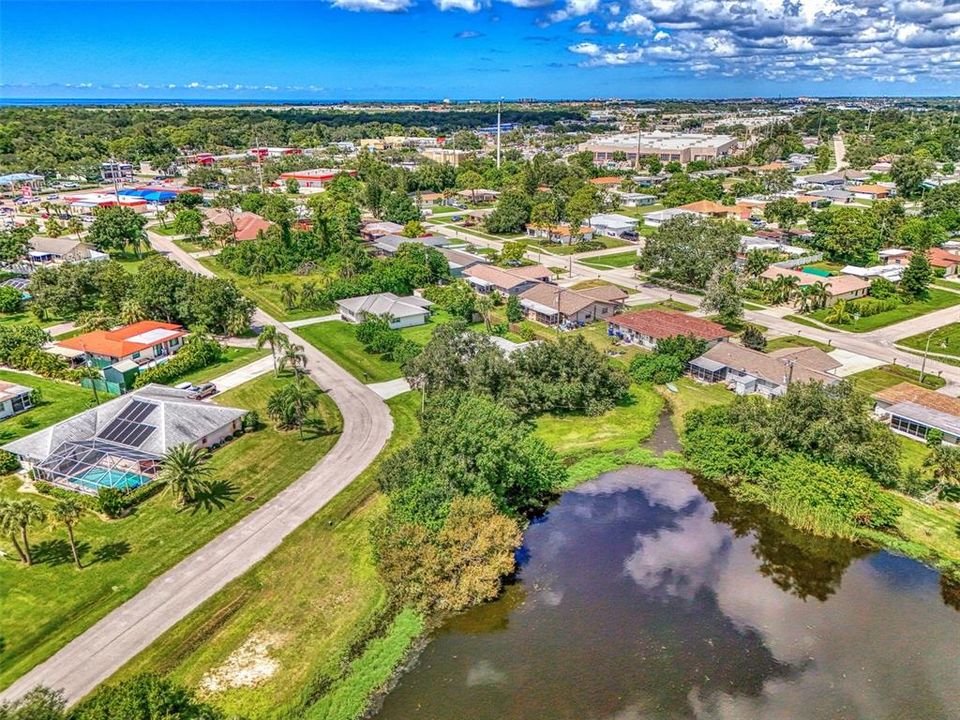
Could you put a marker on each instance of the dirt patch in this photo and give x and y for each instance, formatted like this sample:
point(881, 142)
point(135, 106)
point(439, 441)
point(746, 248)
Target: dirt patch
point(248, 666)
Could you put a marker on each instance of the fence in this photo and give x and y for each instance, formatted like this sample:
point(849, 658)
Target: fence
point(798, 262)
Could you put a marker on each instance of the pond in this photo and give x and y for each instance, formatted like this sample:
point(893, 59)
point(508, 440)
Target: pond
point(645, 595)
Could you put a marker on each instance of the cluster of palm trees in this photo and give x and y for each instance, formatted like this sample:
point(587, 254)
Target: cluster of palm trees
point(787, 288)
point(185, 473)
point(285, 353)
point(307, 296)
point(18, 516)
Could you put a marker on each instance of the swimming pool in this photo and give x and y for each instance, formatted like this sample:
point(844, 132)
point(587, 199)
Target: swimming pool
point(98, 477)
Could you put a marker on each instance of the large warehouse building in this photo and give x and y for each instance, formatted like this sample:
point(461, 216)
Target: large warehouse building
point(665, 146)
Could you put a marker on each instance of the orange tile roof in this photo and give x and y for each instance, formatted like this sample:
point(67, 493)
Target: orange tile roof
point(873, 189)
point(606, 180)
point(659, 324)
point(709, 207)
point(941, 258)
point(117, 343)
point(908, 392)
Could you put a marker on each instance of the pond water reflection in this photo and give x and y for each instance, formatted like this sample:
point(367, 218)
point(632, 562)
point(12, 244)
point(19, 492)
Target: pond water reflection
point(644, 595)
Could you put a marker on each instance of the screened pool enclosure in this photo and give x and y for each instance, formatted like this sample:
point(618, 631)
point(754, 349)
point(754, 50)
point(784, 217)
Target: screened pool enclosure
point(89, 465)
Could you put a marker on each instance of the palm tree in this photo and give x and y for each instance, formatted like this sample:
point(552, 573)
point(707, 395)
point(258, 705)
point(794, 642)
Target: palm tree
point(308, 294)
point(275, 339)
point(75, 226)
point(294, 357)
point(137, 241)
point(804, 300)
point(162, 215)
point(67, 512)
point(9, 526)
point(292, 404)
point(484, 305)
point(288, 295)
point(88, 372)
point(185, 472)
point(819, 294)
point(944, 460)
point(131, 311)
point(25, 514)
point(839, 315)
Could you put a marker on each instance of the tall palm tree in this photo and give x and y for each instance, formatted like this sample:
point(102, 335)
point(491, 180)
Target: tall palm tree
point(88, 372)
point(75, 226)
point(308, 294)
point(484, 305)
point(819, 294)
point(67, 512)
point(271, 336)
point(294, 357)
point(185, 472)
point(10, 527)
point(27, 513)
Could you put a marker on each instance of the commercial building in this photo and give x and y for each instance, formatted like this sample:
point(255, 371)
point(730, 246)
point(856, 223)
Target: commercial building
point(121, 443)
point(116, 171)
point(664, 146)
point(313, 180)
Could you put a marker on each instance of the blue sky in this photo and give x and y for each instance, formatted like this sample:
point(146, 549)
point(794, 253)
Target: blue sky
point(462, 49)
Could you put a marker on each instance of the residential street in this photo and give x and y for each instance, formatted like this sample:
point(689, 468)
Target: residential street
point(96, 654)
point(878, 344)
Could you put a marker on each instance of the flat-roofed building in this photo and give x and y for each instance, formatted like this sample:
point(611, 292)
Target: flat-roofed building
point(315, 179)
point(665, 146)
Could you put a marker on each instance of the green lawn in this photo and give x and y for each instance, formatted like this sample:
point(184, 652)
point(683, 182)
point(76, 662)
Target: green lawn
point(188, 246)
point(233, 358)
point(795, 341)
point(665, 305)
point(944, 340)
point(938, 300)
point(639, 212)
point(317, 598)
point(266, 294)
point(27, 318)
point(166, 231)
point(693, 395)
point(130, 261)
point(880, 378)
point(338, 340)
point(604, 262)
point(60, 401)
point(590, 445)
point(611, 242)
point(50, 603)
point(596, 333)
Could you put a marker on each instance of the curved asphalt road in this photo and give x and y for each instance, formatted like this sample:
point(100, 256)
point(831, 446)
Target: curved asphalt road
point(94, 656)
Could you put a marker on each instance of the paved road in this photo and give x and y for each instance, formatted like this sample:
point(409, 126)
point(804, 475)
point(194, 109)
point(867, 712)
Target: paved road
point(878, 344)
point(95, 655)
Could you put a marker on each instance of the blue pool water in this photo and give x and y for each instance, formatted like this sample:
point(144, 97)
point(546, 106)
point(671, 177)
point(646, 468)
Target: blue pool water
point(96, 478)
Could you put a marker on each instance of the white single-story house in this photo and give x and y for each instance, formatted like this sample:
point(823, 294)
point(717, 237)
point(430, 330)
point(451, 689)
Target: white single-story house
point(612, 224)
point(629, 199)
point(402, 311)
point(14, 399)
point(121, 444)
point(558, 233)
point(659, 217)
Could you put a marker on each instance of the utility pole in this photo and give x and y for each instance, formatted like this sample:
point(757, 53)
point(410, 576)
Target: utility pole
point(259, 165)
point(499, 111)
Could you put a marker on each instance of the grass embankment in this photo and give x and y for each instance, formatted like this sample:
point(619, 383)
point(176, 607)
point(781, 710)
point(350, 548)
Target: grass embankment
point(233, 359)
point(880, 378)
point(47, 605)
point(59, 401)
point(928, 533)
point(607, 262)
point(338, 340)
point(942, 341)
point(592, 445)
point(938, 300)
point(795, 341)
point(266, 293)
point(316, 600)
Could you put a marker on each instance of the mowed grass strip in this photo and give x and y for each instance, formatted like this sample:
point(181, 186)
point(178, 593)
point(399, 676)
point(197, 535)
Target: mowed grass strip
point(47, 605)
point(615, 260)
point(315, 598)
point(234, 358)
point(60, 400)
point(944, 340)
point(938, 300)
point(880, 378)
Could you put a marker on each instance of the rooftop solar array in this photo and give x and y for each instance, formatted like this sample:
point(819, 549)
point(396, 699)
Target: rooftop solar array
point(136, 411)
point(127, 428)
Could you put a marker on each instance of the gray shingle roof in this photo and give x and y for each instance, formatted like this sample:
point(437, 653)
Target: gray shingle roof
point(176, 416)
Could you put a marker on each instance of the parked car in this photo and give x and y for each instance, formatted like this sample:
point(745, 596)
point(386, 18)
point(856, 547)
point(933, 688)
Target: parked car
point(205, 390)
point(185, 386)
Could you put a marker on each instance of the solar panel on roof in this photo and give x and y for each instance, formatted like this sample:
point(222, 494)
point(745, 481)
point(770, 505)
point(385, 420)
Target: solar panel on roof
point(127, 432)
point(136, 411)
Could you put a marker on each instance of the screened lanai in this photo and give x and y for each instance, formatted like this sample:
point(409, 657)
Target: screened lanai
point(89, 465)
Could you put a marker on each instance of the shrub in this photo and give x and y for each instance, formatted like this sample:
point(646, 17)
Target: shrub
point(8, 462)
point(197, 353)
point(871, 306)
point(656, 368)
point(111, 502)
point(251, 421)
point(11, 299)
point(527, 333)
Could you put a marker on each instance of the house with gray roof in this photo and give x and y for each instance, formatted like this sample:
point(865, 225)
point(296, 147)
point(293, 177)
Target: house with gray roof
point(402, 311)
point(121, 443)
point(389, 244)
